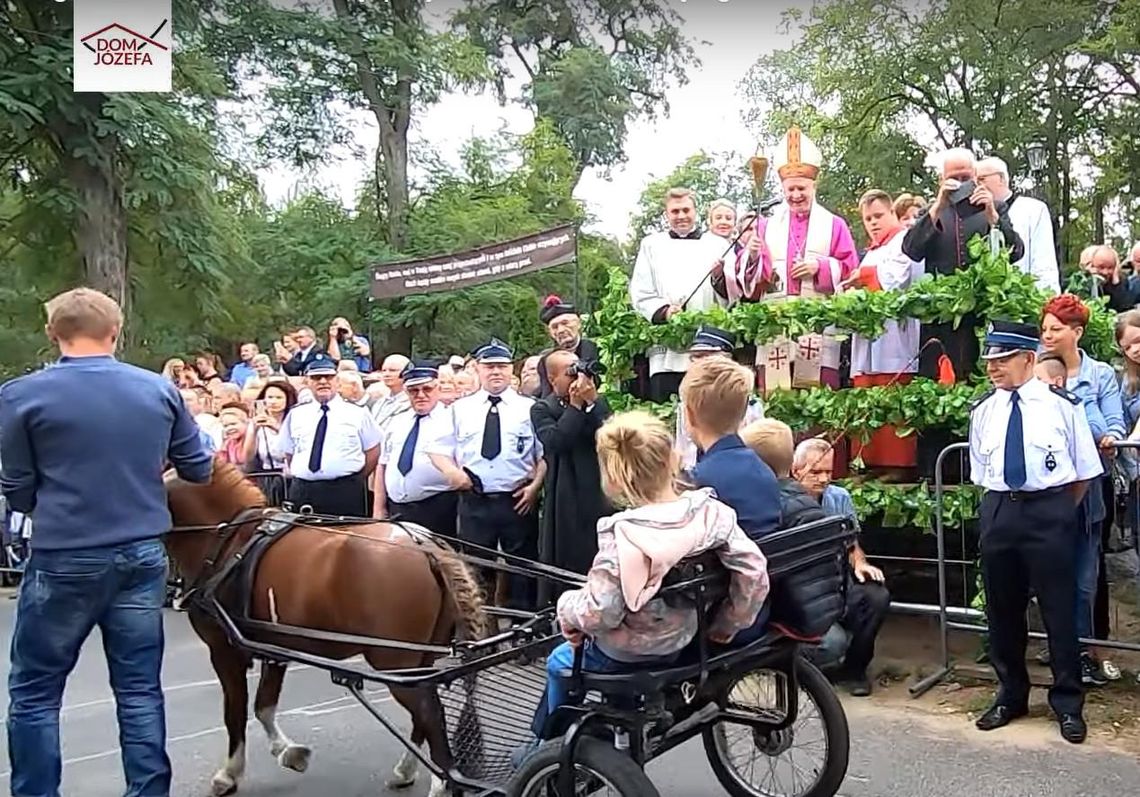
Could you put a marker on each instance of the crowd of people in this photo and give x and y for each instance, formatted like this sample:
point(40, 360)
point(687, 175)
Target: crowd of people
point(522, 456)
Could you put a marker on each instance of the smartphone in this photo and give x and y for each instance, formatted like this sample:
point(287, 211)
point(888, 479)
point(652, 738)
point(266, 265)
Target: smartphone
point(259, 407)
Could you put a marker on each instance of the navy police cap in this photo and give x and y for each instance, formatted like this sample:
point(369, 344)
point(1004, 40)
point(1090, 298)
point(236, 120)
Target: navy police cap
point(321, 365)
point(709, 339)
point(419, 372)
point(1005, 338)
point(494, 351)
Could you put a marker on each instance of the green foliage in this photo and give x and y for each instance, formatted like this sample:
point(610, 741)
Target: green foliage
point(921, 404)
point(871, 79)
point(989, 288)
point(591, 66)
point(912, 505)
point(129, 193)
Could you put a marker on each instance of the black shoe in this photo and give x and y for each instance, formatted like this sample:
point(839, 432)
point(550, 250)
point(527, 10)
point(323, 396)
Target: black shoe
point(1091, 674)
point(858, 685)
point(1073, 728)
point(998, 716)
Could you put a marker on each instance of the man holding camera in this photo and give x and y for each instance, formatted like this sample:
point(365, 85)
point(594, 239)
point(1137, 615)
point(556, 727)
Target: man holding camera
point(565, 423)
point(343, 344)
point(961, 210)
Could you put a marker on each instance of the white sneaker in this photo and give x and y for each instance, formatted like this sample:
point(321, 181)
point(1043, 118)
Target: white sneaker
point(1110, 670)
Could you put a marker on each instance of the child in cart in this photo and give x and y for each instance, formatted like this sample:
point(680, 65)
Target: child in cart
point(617, 615)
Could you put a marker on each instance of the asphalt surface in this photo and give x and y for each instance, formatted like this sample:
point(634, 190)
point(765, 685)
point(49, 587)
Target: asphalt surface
point(894, 752)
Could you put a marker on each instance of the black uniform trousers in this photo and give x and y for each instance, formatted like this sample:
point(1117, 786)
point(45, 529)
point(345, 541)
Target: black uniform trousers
point(344, 496)
point(1027, 542)
point(489, 520)
point(436, 513)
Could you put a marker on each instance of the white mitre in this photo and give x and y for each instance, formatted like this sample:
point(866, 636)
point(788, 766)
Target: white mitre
point(797, 156)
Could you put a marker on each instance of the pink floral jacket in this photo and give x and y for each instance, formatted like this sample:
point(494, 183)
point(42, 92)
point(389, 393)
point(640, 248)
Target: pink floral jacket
point(694, 523)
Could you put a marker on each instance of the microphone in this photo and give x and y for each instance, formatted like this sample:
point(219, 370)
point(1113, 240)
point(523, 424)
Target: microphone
point(758, 165)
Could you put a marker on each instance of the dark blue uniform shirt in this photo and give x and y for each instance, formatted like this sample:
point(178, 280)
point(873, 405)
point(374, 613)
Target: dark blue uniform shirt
point(84, 444)
point(743, 481)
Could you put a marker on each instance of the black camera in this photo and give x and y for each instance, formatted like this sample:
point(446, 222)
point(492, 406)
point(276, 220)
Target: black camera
point(960, 200)
point(590, 368)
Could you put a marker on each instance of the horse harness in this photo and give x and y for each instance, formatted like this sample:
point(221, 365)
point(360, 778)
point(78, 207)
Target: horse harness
point(241, 566)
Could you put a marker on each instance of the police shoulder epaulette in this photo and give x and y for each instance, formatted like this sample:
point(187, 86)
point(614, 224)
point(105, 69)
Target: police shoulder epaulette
point(1068, 395)
point(978, 401)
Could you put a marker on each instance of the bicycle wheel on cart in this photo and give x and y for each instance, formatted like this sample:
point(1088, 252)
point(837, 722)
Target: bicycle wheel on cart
point(806, 759)
point(599, 769)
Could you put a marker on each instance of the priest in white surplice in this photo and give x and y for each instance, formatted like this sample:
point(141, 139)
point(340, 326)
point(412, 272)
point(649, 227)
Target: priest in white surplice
point(1030, 219)
point(808, 251)
point(670, 266)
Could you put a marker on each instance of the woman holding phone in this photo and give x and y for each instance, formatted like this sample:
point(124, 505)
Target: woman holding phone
point(273, 402)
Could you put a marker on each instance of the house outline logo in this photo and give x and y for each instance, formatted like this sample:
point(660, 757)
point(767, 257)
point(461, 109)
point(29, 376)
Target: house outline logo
point(145, 39)
point(122, 46)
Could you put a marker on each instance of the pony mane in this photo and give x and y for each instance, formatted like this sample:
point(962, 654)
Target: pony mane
point(231, 482)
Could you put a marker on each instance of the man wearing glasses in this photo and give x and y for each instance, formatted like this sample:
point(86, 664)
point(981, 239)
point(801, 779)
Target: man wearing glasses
point(417, 477)
point(1032, 222)
point(331, 447)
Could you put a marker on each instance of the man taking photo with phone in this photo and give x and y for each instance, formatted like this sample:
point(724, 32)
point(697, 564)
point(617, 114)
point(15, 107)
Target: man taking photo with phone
point(961, 210)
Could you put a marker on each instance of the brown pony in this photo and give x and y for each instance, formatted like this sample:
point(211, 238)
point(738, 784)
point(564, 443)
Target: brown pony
point(371, 580)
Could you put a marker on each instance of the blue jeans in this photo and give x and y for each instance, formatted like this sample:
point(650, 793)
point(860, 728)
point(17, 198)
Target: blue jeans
point(1086, 557)
point(64, 595)
point(593, 660)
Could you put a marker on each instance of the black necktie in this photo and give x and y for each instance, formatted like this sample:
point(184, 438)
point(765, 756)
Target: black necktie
point(319, 440)
point(492, 434)
point(408, 452)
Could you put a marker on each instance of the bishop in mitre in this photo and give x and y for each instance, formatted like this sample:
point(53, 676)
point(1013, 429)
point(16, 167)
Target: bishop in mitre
point(805, 251)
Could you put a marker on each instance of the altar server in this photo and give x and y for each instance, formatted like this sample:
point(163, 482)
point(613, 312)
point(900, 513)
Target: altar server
point(892, 357)
point(674, 271)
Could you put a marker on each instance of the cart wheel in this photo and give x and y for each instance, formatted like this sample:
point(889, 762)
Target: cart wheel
point(599, 768)
point(807, 759)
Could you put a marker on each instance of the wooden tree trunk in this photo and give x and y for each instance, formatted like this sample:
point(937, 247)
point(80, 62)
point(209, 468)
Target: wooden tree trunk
point(101, 226)
point(393, 153)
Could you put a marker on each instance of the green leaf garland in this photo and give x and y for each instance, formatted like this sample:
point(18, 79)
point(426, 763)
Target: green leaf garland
point(990, 288)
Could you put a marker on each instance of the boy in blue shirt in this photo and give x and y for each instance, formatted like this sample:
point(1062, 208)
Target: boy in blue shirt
point(714, 399)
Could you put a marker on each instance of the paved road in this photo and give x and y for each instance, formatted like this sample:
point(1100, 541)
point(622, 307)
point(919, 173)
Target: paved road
point(895, 753)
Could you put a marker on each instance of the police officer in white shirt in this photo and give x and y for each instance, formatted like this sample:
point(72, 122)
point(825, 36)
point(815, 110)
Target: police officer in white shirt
point(497, 447)
point(417, 477)
point(331, 446)
point(1032, 450)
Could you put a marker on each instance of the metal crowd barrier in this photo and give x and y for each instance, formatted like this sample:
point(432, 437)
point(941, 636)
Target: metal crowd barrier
point(962, 614)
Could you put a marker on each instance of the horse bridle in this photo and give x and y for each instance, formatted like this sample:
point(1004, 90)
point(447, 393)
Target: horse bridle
point(224, 536)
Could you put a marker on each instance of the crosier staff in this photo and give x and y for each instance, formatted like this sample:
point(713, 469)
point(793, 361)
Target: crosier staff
point(759, 167)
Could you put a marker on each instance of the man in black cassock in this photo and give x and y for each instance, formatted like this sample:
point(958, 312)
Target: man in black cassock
point(940, 237)
point(565, 423)
point(564, 326)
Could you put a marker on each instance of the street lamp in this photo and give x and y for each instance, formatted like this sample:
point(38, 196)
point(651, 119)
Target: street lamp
point(1035, 154)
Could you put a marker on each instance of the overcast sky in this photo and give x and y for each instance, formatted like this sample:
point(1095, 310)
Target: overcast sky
point(705, 114)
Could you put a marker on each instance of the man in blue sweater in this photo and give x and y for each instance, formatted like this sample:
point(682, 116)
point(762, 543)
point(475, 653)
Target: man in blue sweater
point(85, 443)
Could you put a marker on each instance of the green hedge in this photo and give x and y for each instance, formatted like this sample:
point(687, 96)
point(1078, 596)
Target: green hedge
point(989, 288)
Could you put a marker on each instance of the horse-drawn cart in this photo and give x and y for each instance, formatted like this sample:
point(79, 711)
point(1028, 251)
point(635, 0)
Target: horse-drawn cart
point(474, 703)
